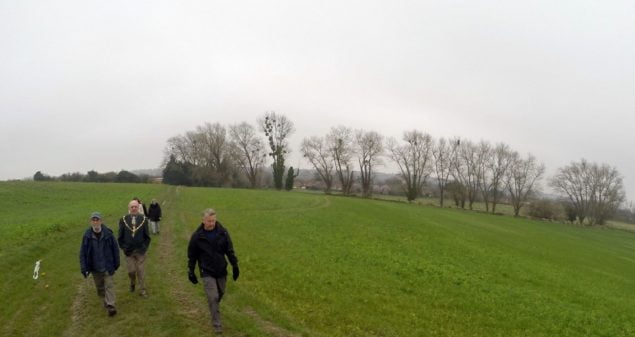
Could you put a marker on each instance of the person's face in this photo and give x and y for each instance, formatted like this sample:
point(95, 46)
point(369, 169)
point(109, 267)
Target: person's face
point(209, 222)
point(133, 207)
point(96, 224)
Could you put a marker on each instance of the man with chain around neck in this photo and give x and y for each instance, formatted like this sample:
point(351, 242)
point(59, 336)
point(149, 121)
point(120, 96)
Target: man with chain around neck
point(134, 240)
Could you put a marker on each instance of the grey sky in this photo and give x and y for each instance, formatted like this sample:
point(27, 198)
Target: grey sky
point(102, 85)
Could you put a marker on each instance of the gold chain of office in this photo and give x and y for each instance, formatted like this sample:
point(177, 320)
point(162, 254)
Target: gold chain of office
point(134, 229)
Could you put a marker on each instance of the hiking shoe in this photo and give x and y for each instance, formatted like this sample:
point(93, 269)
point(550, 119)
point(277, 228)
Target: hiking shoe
point(132, 288)
point(111, 311)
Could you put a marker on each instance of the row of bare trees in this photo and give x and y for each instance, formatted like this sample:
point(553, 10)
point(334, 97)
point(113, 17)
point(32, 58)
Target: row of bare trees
point(470, 169)
point(336, 154)
point(215, 155)
point(465, 171)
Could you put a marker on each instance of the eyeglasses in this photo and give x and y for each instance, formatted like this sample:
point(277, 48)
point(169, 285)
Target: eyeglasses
point(95, 219)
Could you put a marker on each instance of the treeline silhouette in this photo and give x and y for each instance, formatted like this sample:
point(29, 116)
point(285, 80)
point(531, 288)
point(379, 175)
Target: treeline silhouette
point(122, 176)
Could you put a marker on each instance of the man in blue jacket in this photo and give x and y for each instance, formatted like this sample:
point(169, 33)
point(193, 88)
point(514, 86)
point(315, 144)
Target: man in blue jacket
point(99, 255)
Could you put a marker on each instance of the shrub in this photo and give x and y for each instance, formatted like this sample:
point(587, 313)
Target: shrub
point(545, 209)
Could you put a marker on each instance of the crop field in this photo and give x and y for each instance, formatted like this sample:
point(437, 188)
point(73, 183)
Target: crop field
point(315, 265)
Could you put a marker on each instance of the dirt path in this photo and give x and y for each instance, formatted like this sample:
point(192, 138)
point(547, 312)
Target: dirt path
point(180, 292)
point(77, 309)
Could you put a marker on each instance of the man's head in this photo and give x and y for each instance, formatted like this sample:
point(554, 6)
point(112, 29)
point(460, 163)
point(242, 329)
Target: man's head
point(133, 207)
point(209, 219)
point(96, 221)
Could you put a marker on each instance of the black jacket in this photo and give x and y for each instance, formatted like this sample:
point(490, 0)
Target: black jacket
point(154, 212)
point(140, 241)
point(210, 255)
point(107, 257)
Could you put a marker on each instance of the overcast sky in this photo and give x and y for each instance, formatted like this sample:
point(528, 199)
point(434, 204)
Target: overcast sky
point(103, 84)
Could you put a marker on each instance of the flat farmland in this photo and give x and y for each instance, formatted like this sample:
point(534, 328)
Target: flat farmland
point(315, 265)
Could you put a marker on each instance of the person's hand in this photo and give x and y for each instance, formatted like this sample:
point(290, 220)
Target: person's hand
point(235, 272)
point(85, 273)
point(192, 277)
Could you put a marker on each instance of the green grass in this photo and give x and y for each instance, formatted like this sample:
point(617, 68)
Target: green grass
point(316, 265)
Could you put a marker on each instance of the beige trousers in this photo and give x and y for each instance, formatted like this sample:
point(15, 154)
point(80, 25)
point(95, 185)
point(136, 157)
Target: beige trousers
point(136, 269)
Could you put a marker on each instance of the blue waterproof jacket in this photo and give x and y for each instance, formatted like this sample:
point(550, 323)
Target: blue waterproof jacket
point(108, 258)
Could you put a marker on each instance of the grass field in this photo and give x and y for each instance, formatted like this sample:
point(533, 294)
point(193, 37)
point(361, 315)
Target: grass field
point(315, 265)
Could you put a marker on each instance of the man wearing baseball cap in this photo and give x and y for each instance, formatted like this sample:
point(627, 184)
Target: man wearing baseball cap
point(99, 255)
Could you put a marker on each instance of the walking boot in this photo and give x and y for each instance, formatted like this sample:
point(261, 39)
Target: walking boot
point(111, 310)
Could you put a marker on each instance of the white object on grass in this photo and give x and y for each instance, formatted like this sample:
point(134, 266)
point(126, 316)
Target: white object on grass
point(36, 271)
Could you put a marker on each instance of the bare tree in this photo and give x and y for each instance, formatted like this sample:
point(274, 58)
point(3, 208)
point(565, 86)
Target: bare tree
point(593, 191)
point(413, 160)
point(213, 149)
point(466, 168)
point(443, 155)
point(177, 147)
point(481, 163)
point(249, 151)
point(277, 128)
point(574, 182)
point(316, 151)
point(207, 151)
point(521, 179)
point(340, 143)
point(186, 148)
point(369, 146)
point(609, 192)
point(495, 162)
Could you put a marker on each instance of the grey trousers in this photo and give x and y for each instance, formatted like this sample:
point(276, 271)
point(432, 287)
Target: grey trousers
point(136, 269)
point(154, 227)
point(105, 285)
point(215, 288)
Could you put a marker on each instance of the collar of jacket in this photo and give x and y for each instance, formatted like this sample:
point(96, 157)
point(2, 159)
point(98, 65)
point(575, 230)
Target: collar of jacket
point(105, 232)
point(221, 229)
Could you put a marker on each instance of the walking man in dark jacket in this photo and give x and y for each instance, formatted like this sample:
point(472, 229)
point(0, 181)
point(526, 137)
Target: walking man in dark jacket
point(134, 240)
point(154, 213)
point(208, 246)
point(99, 255)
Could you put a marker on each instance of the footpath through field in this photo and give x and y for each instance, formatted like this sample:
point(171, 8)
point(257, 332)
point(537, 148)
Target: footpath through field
point(62, 303)
point(174, 307)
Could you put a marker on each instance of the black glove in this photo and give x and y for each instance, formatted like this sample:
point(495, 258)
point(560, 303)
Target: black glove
point(192, 277)
point(85, 273)
point(235, 272)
